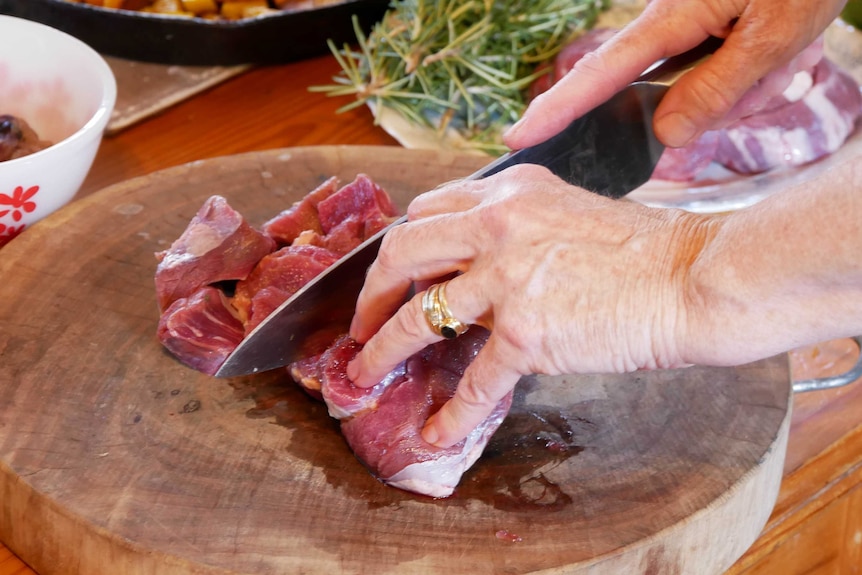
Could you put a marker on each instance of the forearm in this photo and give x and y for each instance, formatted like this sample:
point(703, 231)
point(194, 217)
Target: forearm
point(784, 273)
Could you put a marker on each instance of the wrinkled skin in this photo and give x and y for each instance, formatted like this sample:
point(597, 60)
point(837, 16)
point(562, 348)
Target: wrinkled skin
point(569, 282)
point(765, 44)
point(524, 266)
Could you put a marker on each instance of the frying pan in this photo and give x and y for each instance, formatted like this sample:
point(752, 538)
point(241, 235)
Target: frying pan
point(285, 37)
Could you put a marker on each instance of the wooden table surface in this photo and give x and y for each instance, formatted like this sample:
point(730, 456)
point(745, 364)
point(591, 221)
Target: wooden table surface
point(816, 526)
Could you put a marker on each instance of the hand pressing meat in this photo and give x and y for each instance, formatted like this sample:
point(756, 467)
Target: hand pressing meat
point(382, 424)
point(568, 281)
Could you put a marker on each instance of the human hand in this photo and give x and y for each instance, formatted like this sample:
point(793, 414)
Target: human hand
point(766, 42)
point(536, 260)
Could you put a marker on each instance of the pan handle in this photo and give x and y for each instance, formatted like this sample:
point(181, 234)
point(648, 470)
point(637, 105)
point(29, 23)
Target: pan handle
point(819, 383)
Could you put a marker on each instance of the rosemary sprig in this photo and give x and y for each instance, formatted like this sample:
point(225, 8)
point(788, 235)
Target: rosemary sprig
point(458, 64)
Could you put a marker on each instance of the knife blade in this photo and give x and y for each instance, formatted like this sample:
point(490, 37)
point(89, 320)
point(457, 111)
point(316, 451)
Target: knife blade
point(611, 151)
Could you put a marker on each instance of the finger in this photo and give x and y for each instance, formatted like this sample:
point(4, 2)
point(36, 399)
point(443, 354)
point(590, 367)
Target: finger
point(656, 34)
point(425, 249)
point(408, 332)
point(706, 96)
point(485, 383)
point(454, 196)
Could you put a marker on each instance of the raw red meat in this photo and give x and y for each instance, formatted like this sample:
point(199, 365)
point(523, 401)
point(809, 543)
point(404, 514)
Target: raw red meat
point(382, 424)
point(301, 216)
point(201, 330)
point(217, 245)
point(683, 164)
point(275, 278)
point(797, 132)
point(362, 199)
point(335, 219)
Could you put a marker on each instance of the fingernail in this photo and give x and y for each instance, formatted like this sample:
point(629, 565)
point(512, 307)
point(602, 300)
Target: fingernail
point(675, 129)
point(353, 370)
point(429, 433)
point(513, 129)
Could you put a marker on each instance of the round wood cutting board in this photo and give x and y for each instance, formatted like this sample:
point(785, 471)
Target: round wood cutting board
point(115, 458)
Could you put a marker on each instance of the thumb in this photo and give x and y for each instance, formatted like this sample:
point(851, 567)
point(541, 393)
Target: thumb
point(485, 383)
point(703, 97)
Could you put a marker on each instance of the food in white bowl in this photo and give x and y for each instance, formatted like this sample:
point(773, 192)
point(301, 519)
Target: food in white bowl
point(18, 139)
point(65, 92)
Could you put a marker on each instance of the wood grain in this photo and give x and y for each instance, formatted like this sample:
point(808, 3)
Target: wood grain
point(117, 459)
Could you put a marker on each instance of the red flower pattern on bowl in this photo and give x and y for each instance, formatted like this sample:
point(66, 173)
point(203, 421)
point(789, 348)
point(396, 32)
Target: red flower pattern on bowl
point(66, 92)
point(20, 202)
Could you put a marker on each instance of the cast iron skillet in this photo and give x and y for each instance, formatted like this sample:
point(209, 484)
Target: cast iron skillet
point(293, 35)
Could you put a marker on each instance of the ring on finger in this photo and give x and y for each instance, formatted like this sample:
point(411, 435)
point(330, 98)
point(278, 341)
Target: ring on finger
point(438, 314)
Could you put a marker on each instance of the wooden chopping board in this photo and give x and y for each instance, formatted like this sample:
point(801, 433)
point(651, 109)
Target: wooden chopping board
point(115, 458)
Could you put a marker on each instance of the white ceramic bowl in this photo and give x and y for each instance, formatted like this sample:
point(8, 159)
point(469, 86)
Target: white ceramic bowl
point(66, 92)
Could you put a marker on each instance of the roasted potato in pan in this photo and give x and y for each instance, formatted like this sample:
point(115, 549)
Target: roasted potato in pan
point(212, 9)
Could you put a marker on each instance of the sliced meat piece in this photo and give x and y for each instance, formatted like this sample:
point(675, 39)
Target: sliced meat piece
point(217, 245)
point(362, 199)
point(347, 235)
point(301, 216)
point(382, 425)
point(308, 373)
point(683, 164)
point(343, 399)
point(799, 132)
point(275, 278)
point(201, 330)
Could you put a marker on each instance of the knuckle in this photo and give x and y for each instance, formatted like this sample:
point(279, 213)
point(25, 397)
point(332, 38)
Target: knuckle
point(387, 257)
point(474, 395)
point(712, 95)
point(595, 65)
point(411, 322)
point(512, 337)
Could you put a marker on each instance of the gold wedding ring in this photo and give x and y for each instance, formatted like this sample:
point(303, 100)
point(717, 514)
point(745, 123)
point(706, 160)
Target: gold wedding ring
point(437, 312)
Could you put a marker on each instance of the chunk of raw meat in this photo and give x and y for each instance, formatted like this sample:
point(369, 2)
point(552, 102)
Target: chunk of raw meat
point(301, 216)
point(382, 424)
point(201, 330)
point(683, 164)
point(275, 278)
point(361, 200)
point(798, 132)
point(335, 219)
point(217, 245)
point(308, 374)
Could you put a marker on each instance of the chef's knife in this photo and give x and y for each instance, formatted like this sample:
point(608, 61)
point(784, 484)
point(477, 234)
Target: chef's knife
point(611, 151)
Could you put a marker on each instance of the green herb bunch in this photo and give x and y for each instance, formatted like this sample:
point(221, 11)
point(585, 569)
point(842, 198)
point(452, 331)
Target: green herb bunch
point(458, 64)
